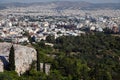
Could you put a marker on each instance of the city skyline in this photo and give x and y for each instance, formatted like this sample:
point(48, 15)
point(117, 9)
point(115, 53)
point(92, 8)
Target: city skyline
point(29, 1)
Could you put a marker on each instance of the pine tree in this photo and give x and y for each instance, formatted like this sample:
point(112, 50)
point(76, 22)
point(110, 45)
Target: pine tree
point(38, 60)
point(12, 59)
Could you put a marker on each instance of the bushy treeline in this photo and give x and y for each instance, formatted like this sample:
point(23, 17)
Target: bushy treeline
point(97, 56)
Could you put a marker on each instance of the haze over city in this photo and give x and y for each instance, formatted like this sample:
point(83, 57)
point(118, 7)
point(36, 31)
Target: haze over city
point(92, 1)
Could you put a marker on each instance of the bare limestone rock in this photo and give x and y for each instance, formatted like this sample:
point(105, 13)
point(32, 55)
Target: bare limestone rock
point(24, 56)
point(47, 68)
point(1, 66)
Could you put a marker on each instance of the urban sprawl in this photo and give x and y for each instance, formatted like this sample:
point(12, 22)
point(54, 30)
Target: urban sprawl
point(38, 22)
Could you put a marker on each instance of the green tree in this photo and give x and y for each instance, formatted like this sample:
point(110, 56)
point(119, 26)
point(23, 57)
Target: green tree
point(38, 60)
point(12, 59)
point(44, 67)
point(50, 38)
point(55, 75)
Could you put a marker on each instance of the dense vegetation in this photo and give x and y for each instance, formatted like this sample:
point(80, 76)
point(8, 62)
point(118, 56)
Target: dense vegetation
point(86, 57)
point(98, 54)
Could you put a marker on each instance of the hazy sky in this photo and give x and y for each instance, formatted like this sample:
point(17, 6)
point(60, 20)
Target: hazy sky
point(93, 1)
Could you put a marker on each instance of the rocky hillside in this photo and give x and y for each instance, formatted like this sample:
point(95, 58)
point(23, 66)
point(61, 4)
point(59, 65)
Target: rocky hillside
point(24, 56)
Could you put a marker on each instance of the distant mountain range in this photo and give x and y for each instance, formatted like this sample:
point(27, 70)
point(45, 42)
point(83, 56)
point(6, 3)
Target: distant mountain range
point(66, 5)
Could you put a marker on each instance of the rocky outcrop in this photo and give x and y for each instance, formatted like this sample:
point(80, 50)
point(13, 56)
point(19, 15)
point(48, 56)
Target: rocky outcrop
point(24, 56)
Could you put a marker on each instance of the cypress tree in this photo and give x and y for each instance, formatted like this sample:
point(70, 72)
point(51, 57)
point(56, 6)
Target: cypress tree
point(44, 67)
point(12, 59)
point(38, 60)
